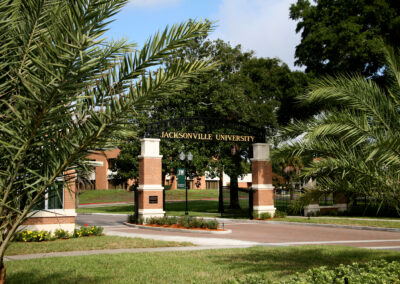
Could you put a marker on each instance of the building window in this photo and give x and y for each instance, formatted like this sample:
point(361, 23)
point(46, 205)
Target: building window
point(111, 163)
point(54, 198)
point(212, 184)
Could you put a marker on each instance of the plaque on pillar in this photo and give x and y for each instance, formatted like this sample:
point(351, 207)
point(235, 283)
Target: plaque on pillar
point(153, 199)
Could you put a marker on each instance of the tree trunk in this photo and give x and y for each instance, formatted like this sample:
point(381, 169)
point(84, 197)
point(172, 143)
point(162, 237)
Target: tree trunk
point(77, 196)
point(234, 192)
point(2, 272)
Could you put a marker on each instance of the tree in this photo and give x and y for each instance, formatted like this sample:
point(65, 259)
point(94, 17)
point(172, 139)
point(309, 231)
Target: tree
point(257, 91)
point(343, 36)
point(65, 90)
point(356, 138)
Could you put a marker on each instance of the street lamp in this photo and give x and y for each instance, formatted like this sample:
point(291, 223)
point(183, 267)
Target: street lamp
point(189, 158)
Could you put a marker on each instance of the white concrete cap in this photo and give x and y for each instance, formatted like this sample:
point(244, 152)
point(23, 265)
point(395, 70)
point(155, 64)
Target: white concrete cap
point(261, 151)
point(150, 148)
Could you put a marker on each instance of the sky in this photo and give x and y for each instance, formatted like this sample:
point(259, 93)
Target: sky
point(260, 25)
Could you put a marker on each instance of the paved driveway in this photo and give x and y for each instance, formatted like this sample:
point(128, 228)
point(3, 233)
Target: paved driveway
point(258, 233)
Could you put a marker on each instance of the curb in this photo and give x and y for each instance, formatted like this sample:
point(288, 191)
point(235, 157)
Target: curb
point(227, 231)
point(338, 226)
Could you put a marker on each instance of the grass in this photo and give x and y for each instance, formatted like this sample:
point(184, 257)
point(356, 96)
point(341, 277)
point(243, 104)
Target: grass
point(110, 209)
point(88, 243)
point(179, 194)
point(111, 195)
point(203, 208)
point(210, 266)
point(121, 195)
point(382, 223)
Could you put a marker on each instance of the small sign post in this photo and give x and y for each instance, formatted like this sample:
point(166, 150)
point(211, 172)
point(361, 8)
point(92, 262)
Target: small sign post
point(181, 178)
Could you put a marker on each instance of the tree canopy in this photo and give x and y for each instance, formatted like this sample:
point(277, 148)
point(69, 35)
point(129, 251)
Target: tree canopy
point(343, 36)
point(257, 91)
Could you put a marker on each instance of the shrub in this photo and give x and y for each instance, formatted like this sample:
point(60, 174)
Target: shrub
point(265, 215)
point(280, 214)
point(183, 221)
point(172, 221)
point(36, 236)
point(376, 271)
point(213, 224)
point(61, 234)
point(195, 223)
point(140, 220)
point(88, 231)
point(131, 218)
point(33, 236)
point(256, 215)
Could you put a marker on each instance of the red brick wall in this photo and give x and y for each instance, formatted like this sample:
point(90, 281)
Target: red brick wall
point(102, 171)
point(261, 172)
point(49, 220)
point(150, 171)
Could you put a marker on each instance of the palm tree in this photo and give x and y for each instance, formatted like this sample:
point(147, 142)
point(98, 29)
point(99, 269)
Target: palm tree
point(356, 137)
point(65, 90)
point(289, 168)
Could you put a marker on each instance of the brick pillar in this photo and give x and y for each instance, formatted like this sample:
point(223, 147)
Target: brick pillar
point(263, 190)
point(69, 190)
point(150, 176)
point(102, 172)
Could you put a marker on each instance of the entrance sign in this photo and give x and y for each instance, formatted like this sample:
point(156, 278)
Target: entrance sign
point(207, 129)
point(207, 136)
point(181, 178)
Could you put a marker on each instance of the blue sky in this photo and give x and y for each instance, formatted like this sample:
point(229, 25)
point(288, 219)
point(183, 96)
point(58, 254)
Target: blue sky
point(260, 25)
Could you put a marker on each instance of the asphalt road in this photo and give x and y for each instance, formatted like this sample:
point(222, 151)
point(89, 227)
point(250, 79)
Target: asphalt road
point(101, 220)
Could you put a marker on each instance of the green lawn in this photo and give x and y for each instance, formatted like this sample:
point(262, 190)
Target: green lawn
point(343, 221)
point(88, 243)
point(120, 195)
point(111, 195)
point(110, 209)
point(212, 266)
point(204, 208)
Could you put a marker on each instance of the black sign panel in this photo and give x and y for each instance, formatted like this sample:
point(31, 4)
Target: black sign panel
point(153, 199)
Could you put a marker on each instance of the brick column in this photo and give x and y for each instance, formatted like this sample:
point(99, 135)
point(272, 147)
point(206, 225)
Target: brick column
point(262, 180)
point(150, 176)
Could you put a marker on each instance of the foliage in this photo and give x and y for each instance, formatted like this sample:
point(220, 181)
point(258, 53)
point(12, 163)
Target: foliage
point(32, 236)
point(280, 214)
point(66, 91)
point(61, 234)
point(41, 236)
point(265, 216)
point(185, 222)
point(376, 271)
point(343, 36)
point(256, 91)
point(355, 139)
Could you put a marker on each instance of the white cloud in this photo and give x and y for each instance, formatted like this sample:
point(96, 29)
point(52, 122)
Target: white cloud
point(260, 25)
point(152, 3)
